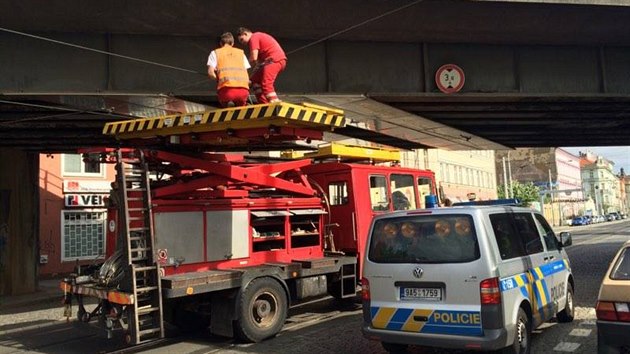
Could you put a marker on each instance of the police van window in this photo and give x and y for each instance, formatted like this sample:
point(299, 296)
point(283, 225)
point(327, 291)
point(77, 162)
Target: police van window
point(338, 193)
point(526, 227)
point(425, 187)
point(508, 240)
point(424, 239)
point(403, 193)
point(547, 233)
point(378, 193)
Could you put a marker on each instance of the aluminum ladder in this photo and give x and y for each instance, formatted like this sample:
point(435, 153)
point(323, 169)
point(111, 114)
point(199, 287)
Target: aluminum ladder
point(145, 316)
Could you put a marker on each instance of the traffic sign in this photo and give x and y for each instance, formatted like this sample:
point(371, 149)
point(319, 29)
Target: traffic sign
point(449, 78)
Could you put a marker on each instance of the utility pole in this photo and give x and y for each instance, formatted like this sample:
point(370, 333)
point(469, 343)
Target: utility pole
point(510, 175)
point(553, 221)
point(505, 183)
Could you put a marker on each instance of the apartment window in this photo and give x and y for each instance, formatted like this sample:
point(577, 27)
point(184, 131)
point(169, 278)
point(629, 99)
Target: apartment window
point(73, 165)
point(82, 234)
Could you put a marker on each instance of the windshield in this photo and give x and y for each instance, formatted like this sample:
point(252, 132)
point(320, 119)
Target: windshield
point(424, 239)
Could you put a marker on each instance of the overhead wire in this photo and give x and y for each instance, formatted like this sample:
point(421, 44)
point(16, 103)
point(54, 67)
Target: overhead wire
point(70, 111)
point(150, 62)
point(335, 34)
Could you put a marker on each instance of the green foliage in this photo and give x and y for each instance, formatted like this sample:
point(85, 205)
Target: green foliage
point(525, 192)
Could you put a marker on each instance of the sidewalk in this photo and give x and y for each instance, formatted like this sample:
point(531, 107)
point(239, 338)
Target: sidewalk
point(47, 291)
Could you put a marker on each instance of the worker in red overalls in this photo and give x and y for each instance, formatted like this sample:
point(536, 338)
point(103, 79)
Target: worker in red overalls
point(228, 65)
point(268, 59)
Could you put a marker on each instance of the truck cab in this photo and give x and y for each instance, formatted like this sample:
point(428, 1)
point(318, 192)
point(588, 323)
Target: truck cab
point(358, 192)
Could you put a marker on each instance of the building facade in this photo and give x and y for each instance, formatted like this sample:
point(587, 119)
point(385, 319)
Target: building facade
point(601, 183)
point(72, 223)
point(555, 171)
point(460, 175)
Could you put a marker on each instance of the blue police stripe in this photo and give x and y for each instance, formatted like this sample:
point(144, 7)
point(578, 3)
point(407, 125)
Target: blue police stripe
point(455, 330)
point(399, 319)
point(374, 311)
point(524, 292)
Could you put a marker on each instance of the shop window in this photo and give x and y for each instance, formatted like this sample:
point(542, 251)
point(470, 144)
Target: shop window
point(73, 165)
point(82, 235)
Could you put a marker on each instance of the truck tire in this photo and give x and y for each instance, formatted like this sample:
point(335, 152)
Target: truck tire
point(567, 314)
point(262, 310)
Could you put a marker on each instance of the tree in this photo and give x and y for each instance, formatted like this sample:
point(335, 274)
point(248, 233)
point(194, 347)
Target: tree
point(526, 193)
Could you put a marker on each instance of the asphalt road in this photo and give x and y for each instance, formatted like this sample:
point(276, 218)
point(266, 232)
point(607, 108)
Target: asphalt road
point(324, 327)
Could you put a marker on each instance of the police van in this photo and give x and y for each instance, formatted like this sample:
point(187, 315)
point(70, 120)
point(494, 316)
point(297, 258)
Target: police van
point(469, 277)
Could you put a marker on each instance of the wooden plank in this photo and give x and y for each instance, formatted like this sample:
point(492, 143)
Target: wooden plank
point(316, 263)
point(198, 278)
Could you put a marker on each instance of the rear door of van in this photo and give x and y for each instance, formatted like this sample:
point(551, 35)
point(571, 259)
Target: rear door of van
point(424, 271)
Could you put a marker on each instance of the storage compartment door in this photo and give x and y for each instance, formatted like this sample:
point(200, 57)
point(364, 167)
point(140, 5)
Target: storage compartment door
point(228, 234)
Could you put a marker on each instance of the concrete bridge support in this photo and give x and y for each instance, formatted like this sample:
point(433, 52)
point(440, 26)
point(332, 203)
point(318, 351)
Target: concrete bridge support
point(19, 212)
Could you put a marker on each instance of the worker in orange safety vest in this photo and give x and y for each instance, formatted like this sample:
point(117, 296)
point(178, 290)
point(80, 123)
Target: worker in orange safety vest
point(228, 65)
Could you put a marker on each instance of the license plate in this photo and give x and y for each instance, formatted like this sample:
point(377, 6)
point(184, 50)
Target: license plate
point(434, 294)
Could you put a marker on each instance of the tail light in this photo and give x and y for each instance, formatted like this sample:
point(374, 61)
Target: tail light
point(490, 292)
point(613, 311)
point(365, 289)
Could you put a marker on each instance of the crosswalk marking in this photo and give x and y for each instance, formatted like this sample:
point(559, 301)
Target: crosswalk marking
point(566, 347)
point(580, 332)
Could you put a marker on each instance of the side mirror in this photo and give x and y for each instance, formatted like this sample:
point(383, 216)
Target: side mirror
point(565, 239)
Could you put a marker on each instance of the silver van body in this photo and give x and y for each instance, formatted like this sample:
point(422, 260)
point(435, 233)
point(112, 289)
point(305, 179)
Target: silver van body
point(471, 277)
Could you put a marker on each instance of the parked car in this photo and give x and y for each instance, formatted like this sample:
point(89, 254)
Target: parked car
point(610, 217)
point(579, 220)
point(613, 305)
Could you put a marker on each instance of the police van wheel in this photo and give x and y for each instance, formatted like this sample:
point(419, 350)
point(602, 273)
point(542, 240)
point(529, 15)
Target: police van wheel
point(522, 337)
point(395, 348)
point(262, 310)
point(568, 313)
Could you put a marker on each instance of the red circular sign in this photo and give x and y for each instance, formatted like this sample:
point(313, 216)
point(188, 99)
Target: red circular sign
point(449, 78)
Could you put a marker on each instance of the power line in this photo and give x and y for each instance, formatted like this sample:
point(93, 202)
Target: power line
point(335, 34)
point(100, 51)
point(332, 35)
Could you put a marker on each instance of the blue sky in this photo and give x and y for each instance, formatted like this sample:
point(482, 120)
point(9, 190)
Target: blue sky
point(620, 155)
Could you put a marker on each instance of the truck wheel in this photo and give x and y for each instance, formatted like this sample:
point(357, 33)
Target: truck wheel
point(262, 310)
point(82, 315)
point(522, 337)
point(568, 313)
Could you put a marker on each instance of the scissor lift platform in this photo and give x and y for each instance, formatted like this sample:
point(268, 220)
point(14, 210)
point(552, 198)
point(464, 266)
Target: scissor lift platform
point(281, 115)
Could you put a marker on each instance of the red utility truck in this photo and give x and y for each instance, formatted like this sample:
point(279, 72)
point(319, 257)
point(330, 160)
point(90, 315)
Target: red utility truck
point(231, 241)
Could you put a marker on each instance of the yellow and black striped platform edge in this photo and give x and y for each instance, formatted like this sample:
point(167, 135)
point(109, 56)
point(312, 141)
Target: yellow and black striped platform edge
point(219, 119)
point(345, 152)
